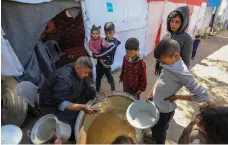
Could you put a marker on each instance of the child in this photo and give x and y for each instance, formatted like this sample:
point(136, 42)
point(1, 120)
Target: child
point(133, 74)
point(109, 46)
point(173, 77)
point(123, 140)
point(196, 43)
point(95, 42)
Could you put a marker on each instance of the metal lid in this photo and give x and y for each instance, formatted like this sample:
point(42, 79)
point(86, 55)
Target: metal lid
point(11, 134)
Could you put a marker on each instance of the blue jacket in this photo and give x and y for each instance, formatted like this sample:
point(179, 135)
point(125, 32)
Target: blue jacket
point(108, 54)
point(64, 85)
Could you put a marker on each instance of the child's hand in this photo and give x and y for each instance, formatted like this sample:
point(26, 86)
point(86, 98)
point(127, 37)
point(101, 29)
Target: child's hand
point(172, 98)
point(138, 94)
point(149, 98)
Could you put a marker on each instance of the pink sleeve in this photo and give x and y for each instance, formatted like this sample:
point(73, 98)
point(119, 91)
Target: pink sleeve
point(91, 47)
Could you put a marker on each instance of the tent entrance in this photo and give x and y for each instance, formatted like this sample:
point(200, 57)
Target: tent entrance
point(69, 34)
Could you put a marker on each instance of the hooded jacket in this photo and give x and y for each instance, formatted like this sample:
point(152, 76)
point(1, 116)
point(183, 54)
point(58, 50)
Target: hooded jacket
point(184, 39)
point(133, 74)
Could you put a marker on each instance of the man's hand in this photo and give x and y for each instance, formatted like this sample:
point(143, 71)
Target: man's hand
point(138, 93)
point(87, 109)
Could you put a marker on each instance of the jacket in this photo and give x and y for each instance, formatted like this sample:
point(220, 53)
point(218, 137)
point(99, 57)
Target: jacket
point(133, 74)
point(172, 78)
point(65, 85)
point(95, 45)
point(108, 54)
point(184, 39)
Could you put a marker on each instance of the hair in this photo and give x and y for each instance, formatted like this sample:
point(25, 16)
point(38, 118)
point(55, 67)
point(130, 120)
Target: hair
point(109, 26)
point(95, 28)
point(175, 14)
point(215, 121)
point(197, 36)
point(166, 47)
point(132, 44)
point(84, 61)
point(123, 140)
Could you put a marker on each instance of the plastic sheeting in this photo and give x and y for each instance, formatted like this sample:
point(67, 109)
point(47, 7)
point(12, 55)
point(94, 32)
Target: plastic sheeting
point(32, 1)
point(130, 19)
point(10, 64)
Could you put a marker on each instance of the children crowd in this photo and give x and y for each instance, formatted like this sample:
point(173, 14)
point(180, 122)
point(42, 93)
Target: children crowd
point(173, 55)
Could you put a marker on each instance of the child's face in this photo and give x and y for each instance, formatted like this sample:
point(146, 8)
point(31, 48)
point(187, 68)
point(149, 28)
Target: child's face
point(170, 59)
point(175, 24)
point(109, 34)
point(95, 34)
point(132, 53)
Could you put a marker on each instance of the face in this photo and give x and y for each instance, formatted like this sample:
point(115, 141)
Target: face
point(83, 72)
point(109, 35)
point(175, 24)
point(170, 59)
point(132, 53)
point(95, 34)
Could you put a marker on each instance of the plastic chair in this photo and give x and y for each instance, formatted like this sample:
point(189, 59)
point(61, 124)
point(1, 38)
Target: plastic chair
point(54, 51)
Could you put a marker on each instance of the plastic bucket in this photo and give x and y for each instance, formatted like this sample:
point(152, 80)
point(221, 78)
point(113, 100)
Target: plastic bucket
point(28, 91)
point(48, 127)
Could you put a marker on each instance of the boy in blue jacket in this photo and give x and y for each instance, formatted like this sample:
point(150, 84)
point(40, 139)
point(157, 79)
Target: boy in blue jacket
point(107, 55)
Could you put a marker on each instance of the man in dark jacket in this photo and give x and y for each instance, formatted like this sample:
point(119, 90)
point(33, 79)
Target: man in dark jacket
point(67, 91)
point(177, 22)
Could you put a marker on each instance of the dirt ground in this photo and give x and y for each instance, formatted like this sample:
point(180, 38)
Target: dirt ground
point(210, 67)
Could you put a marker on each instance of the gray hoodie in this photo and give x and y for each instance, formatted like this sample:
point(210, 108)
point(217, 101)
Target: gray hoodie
point(184, 39)
point(171, 80)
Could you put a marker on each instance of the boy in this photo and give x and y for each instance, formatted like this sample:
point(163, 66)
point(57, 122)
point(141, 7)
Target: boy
point(107, 55)
point(196, 43)
point(133, 74)
point(173, 77)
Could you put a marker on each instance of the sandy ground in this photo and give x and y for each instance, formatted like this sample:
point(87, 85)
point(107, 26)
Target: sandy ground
point(210, 67)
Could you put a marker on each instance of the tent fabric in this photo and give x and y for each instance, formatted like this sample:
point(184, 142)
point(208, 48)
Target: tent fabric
point(128, 22)
point(32, 1)
point(23, 23)
point(10, 63)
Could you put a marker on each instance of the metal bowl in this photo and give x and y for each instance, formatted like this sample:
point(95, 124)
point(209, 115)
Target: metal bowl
point(97, 109)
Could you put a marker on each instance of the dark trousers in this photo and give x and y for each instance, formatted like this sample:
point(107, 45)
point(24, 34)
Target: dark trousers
point(100, 71)
point(194, 52)
point(159, 131)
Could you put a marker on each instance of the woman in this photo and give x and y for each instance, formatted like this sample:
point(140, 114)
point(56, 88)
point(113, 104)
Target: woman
point(210, 127)
point(177, 22)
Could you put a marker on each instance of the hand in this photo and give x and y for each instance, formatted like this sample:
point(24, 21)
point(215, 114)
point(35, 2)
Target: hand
point(172, 98)
point(156, 72)
point(57, 141)
point(138, 93)
point(88, 110)
point(149, 98)
point(120, 81)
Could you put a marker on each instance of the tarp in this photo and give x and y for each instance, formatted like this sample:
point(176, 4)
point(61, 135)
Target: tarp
point(32, 1)
point(129, 17)
point(23, 23)
point(10, 63)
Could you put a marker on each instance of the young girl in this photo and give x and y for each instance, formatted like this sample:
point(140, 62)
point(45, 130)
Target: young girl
point(95, 43)
point(95, 40)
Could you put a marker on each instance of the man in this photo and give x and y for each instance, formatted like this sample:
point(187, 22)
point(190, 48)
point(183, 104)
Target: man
point(67, 91)
point(177, 23)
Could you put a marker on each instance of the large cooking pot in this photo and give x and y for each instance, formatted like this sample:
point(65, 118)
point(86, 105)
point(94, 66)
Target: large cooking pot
point(98, 128)
point(14, 108)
